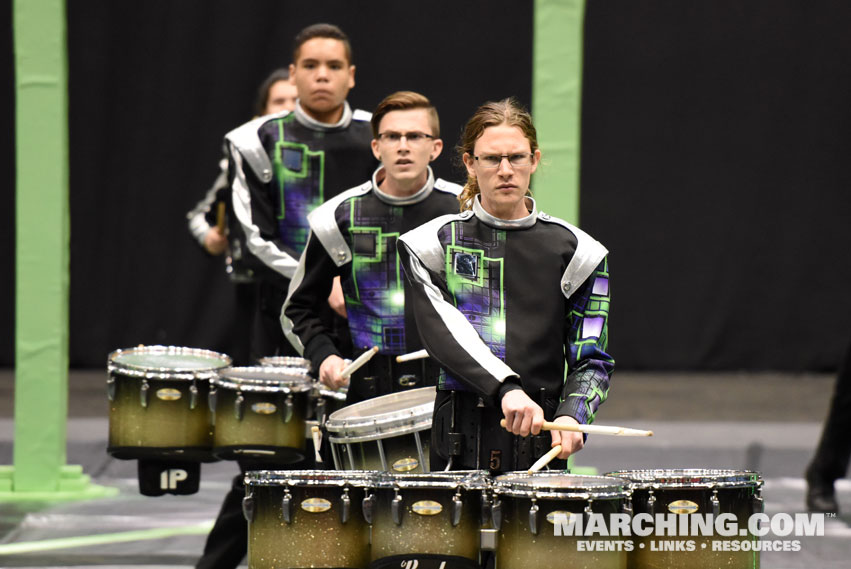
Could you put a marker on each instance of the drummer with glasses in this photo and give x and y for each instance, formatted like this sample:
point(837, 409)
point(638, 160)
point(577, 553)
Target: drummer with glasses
point(353, 236)
point(513, 304)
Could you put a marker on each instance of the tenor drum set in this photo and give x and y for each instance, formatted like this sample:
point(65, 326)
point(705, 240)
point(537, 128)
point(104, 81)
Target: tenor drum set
point(380, 506)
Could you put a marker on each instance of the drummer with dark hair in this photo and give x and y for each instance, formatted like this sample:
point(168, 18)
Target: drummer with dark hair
point(353, 236)
point(504, 296)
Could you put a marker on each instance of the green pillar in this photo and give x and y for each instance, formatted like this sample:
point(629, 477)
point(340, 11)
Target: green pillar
point(556, 104)
point(42, 257)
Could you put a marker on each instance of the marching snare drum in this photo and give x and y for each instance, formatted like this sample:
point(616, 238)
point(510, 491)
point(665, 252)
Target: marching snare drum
point(259, 413)
point(427, 519)
point(297, 365)
point(307, 518)
point(158, 402)
point(694, 491)
point(527, 508)
point(388, 433)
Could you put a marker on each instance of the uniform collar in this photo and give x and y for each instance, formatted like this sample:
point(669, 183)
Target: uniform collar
point(522, 223)
point(418, 196)
point(314, 124)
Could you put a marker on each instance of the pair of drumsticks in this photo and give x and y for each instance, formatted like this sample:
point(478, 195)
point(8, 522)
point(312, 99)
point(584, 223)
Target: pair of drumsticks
point(547, 426)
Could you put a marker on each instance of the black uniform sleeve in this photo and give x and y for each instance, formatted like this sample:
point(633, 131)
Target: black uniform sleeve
point(449, 338)
point(309, 291)
point(589, 366)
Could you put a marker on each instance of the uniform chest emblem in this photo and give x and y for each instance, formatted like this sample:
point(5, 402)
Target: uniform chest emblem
point(466, 265)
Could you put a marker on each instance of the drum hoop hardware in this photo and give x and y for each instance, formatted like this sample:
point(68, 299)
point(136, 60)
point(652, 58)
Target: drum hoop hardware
point(345, 505)
point(396, 508)
point(716, 503)
point(457, 508)
point(193, 395)
point(368, 506)
point(110, 388)
point(287, 506)
point(238, 406)
point(143, 394)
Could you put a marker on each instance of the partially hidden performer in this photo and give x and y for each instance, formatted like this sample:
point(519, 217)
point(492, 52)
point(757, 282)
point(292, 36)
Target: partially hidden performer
point(354, 236)
point(513, 303)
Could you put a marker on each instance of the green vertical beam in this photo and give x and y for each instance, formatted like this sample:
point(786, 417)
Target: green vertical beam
point(42, 237)
point(556, 103)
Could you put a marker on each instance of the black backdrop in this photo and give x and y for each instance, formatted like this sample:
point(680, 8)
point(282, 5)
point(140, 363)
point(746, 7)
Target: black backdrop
point(715, 137)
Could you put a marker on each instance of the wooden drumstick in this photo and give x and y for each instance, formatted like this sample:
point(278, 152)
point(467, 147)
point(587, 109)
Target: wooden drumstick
point(362, 359)
point(545, 460)
point(220, 217)
point(418, 355)
point(317, 441)
point(593, 429)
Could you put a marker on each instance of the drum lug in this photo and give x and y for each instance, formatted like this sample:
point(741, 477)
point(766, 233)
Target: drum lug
point(345, 506)
point(486, 508)
point(320, 411)
point(248, 508)
point(533, 517)
point(143, 393)
point(193, 396)
point(496, 514)
point(288, 409)
point(587, 513)
point(396, 509)
point(716, 504)
point(651, 503)
point(287, 507)
point(211, 402)
point(488, 539)
point(368, 507)
point(457, 508)
point(758, 502)
point(627, 506)
point(110, 388)
point(238, 406)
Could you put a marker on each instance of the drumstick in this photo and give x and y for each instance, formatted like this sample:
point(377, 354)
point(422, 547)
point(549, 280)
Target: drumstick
point(418, 355)
point(545, 460)
point(220, 217)
point(593, 429)
point(317, 441)
point(362, 359)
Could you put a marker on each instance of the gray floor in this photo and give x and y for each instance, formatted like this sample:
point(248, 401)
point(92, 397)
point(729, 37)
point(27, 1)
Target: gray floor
point(765, 422)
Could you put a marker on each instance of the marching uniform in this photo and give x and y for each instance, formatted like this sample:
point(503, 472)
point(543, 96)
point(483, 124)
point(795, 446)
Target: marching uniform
point(283, 166)
point(503, 305)
point(354, 236)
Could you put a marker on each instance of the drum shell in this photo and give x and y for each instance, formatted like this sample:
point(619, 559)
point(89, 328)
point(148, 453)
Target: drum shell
point(167, 427)
point(400, 452)
point(312, 539)
point(259, 435)
point(740, 501)
point(426, 534)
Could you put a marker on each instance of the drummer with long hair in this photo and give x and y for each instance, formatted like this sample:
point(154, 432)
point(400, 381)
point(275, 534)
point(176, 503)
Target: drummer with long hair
point(512, 303)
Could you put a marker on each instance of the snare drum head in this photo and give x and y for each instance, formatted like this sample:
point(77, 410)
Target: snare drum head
point(559, 485)
point(313, 478)
point(167, 362)
point(266, 379)
point(467, 479)
point(388, 415)
point(690, 477)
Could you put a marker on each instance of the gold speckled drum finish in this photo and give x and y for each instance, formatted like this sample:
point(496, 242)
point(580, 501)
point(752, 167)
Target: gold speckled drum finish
point(321, 532)
point(437, 513)
point(737, 492)
point(390, 432)
point(519, 547)
point(158, 402)
point(260, 414)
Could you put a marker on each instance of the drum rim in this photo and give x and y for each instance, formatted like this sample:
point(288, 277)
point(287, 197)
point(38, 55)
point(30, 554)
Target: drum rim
point(452, 479)
point(672, 478)
point(148, 372)
point(311, 478)
point(298, 384)
point(616, 489)
point(379, 426)
point(298, 363)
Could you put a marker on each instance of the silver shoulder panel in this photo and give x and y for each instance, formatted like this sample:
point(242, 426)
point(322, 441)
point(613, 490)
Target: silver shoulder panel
point(448, 187)
point(589, 253)
point(323, 224)
point(361, 115)
point(423, 241)
point(245, 139)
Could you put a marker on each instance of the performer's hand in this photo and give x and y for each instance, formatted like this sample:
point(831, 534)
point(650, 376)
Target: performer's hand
point(336, 300)
point(215, 241)
point(570, 442)
point(522, 415)
point(329, 372)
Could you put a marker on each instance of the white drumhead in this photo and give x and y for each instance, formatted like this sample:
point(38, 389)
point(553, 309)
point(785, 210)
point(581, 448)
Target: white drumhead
point(264, 379)
point(382, 417)
point(167, 362)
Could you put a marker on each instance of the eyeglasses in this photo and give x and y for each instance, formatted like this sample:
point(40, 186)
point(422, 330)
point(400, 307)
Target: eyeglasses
point(393, 137)
point(494, 160)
